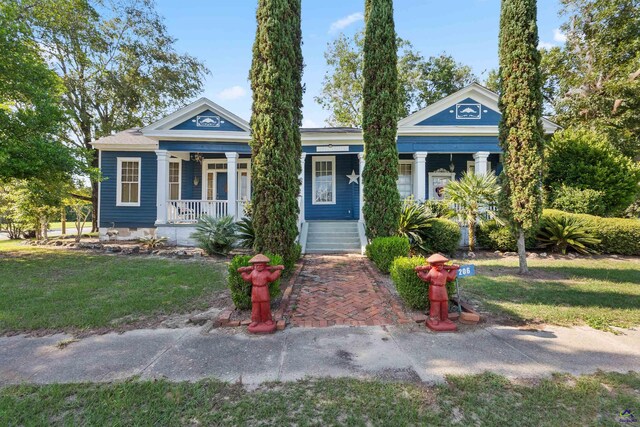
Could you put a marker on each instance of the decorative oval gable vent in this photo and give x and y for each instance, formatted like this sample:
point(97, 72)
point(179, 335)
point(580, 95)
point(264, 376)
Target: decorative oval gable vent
point(208, 121)
point(468, 111)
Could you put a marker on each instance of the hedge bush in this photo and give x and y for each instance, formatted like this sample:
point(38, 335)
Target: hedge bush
point(412, 290)
point(617, 235)
point(442, 236)
point(383, 250)
point(575, 200)
point(241, 290)
point(496, 237)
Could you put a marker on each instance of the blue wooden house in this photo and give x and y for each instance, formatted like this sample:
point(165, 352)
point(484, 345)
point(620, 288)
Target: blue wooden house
point(197, 161)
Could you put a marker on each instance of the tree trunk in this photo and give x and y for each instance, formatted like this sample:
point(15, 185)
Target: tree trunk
point(522, 252)
point(472, 235)
point(94, 206)
point(63, 221)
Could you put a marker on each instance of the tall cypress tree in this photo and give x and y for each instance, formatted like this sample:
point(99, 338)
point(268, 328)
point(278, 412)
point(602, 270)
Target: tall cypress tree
point(521, 135)
point(379, 114)
point(276, 81)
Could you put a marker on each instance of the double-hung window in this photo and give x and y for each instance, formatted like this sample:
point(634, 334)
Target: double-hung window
point(128, 185)
point(174, 179)
point(324, 180)
point(405, 179)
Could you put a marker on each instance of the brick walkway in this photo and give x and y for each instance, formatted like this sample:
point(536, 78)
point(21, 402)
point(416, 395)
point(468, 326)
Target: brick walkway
point(342, 290)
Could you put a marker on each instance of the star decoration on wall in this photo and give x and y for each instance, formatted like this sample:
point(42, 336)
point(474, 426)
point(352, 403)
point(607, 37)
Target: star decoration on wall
point(353, 178)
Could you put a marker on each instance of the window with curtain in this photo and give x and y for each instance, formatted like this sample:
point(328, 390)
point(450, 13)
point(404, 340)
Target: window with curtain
point(174, 181)
point(323, 180)
point(405, 180)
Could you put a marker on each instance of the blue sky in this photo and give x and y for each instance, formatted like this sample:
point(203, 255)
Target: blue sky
point(220, 33)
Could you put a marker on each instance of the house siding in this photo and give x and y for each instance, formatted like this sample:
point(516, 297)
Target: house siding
point(347, 195)
point(448, 144)
point(128, 216)
point(206, 147)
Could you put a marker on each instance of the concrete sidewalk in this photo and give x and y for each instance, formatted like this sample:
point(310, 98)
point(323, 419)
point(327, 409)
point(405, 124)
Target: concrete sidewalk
point(393, 352)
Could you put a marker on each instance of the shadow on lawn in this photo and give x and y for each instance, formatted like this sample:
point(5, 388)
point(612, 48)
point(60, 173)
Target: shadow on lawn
point(599, 271)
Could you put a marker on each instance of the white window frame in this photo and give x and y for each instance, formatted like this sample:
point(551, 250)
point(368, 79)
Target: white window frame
point(238, 172)
point(179, 162)
point(432, 192)
point(407, 162)
point(205, 170)
point(315, 160)
point(121, 160)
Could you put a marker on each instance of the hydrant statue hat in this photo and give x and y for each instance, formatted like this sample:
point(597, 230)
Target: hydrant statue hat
point(436, 258)
point(258, 259)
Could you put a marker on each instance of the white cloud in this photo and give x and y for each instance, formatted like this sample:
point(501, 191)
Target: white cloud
point(231, 93)
point(559, 36)
point(343, 23)
point(545, 45)
point(308, 123)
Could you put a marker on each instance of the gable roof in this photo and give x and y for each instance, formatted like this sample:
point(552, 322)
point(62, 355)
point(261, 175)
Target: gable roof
point(163, 127)
point(409, 125)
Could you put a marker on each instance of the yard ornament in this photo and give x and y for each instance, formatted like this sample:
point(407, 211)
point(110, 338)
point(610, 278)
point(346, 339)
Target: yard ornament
point(436, 274)
point(260, 274)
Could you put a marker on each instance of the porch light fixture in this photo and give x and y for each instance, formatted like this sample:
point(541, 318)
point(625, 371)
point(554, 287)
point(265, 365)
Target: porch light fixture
point(196, 181)
point(452, 167)
point(197, 157)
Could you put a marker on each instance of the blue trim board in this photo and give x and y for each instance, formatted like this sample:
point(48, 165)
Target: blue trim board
point(208, 121)
point(448, 144)
point(205, 147)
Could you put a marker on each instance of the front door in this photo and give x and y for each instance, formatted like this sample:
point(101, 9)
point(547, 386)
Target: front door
point(221, 186)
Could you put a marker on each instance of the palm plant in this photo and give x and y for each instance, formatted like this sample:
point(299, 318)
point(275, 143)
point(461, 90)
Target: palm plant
point(413, 222)
point(215, 235)
point(473, 194)
point(246, 233)
point(567, 232)
point(152, 242)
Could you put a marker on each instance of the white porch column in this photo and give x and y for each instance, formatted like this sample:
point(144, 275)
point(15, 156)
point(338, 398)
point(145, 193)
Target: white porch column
point(303, 157)
point(361, 164)
point(162, 185)
point(481, 162)
point(420, 176)
point(232, 184)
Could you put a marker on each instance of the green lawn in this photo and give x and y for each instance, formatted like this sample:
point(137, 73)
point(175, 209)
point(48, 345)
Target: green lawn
point(487, 400)
point(594, 291)
point(45, 288)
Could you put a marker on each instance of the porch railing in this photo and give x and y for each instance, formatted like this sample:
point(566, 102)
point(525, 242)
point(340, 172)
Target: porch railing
point(186, 211)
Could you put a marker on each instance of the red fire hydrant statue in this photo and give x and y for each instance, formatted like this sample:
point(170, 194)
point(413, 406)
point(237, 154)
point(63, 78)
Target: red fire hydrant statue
point(437, 275)
point(260, 274)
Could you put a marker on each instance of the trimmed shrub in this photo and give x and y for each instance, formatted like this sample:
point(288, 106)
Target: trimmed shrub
point(442, 236)
point(413, 291)
point(241, 290)
point(383, 250)
point(496, 237)
point(616, 235)
point(575, 200)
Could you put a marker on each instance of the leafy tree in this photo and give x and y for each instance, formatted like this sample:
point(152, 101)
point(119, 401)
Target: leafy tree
point(594, 165)
point(441, 76)
point(520, 131)
point(30, 114)
point(492, 82)
point(276, 81)
point(382, 205)
point(473, 194)
point(420, 82)
point(595, 76)
point(118, 65)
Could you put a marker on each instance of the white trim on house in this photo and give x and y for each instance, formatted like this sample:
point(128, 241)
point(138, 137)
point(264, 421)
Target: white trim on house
point(475, 91)
point(407, 162)
point(192, 135)
point(438, 174)
point(179, 162)
point(314, 160)
point(120, 160)
point(121, 147)
point(195, 108)
point(205, 169)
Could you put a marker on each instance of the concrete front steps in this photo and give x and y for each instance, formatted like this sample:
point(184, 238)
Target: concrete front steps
point(332, 237)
